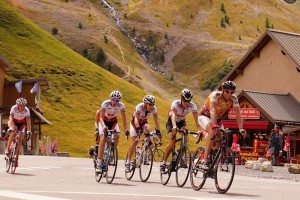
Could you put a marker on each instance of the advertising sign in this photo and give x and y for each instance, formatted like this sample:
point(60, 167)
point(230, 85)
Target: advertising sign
point(247, 113)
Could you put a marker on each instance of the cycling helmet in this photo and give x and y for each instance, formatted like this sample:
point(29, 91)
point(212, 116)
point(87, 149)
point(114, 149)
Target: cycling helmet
point(116, 95)
point(186, 94)
point(230, 85)
point(21, 101)
point(149, 99)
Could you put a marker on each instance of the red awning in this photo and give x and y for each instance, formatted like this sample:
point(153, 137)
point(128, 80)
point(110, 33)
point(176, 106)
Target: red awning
point(263, 125)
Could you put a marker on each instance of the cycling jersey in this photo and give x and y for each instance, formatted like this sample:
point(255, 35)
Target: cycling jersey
point(143, 114)
point(19, 117)
point(182, 112)
point(111, 112)
point(221, 104)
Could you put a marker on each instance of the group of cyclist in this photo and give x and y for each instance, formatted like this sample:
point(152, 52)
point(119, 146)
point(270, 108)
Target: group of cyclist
point(217, 103)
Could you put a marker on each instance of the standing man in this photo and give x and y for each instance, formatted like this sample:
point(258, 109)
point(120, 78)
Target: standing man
point(217, 103)
point(274, 144)
point(180, 108)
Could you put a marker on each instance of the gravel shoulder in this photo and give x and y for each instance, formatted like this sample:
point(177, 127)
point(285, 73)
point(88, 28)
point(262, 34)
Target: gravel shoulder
point(280, 173)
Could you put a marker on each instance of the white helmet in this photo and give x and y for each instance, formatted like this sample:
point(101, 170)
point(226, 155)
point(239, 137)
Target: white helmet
point(149, 99)
point(21, 101)
point(186, 94)
point(116, 95)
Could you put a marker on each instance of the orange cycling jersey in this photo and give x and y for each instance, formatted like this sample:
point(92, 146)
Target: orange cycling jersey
point(221, 104)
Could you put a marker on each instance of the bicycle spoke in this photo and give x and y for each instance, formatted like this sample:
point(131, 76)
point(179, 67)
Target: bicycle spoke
point(197, 175)
point(165, 177)
point(158, 155)
point(225, 169)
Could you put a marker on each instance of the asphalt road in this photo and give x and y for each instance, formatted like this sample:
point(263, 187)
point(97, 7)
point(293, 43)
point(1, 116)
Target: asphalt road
point(60, 178)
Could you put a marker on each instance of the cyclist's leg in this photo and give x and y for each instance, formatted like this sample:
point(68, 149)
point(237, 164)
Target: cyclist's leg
point(134, 142)
point(116, 127)
point(10, 139)
point(205, 123)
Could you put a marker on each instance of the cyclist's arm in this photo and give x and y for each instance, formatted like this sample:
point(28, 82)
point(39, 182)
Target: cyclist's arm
point(173, 118)
point(102, 115)
point(136, 121)
point(195, 115)
point(213, 113)
point(123, 114)
point(97, 119)
point(28, 122)
point(156, 122)
point(238, 116)
point(11, 123)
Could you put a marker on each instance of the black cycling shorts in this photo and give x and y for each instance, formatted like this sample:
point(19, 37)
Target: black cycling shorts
point(179, 124)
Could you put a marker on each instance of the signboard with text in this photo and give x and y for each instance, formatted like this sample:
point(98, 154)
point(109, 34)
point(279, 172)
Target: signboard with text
point(247, 113)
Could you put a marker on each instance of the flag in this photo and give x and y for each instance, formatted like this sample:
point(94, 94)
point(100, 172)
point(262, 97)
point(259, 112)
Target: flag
point(19, 86)
point(287, 143)
point(35, 88)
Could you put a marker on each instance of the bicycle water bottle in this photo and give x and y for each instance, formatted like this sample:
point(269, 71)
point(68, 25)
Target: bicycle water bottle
point(174, 156)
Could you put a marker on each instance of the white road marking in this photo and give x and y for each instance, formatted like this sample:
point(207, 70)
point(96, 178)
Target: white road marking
point(19, 195)
point(138, 195)
point(33, 168)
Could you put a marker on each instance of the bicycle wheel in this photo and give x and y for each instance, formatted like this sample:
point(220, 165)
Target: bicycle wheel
point(146, 165)
point(225, 169)
point(131, 171)
point(165, 176)
point(158, 155)
point(8, 160)
point(197, 175)
point(98, 175)
point(112, 165)
point(183, 167)
point(13, 160)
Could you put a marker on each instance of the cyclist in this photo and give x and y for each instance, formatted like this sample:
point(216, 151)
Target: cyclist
point(217, 103)
point(180, 108)
point(108, 121)
point(139, 123)
point(19, 116)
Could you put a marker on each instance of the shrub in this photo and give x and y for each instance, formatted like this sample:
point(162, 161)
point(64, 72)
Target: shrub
point(80, 25)
point(54, 30)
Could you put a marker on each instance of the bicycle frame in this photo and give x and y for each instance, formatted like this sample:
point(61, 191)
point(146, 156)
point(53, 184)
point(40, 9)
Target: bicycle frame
point(11, 159)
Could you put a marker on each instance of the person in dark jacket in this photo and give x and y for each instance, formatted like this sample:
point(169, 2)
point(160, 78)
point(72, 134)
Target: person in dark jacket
point(274, 145)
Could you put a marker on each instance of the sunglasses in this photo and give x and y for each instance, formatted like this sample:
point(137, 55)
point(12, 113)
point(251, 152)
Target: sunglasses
point(229, 91)
point(151, 104)
point(116, 100)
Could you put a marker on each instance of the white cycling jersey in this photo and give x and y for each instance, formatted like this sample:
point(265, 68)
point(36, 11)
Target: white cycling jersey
point(19, 117)
point(182, 112)
point(110, 111)
point(141, 110)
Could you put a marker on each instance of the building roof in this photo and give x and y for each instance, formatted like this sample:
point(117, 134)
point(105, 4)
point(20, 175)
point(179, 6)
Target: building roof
point(5, 64)
point(288, 42)
point(279, 108)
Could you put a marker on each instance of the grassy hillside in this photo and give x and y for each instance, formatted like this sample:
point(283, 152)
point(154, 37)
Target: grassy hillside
point(77, 85)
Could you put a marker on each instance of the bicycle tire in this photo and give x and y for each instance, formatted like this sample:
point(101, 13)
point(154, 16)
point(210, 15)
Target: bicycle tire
point(165, 176)
point(8, 163)
point(158, 155)
point(183, 166)
point(146, 165)
point(12, 159)
point(112, 164)
point(197, 175)
point(225, 169)
point(130, 174)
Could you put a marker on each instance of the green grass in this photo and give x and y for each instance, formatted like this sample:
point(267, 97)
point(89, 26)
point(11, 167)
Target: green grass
point(77, 86)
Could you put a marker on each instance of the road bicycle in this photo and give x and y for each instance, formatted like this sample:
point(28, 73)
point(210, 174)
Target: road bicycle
point(158, 154)
point(110, 158)
point(221, 168)
point(12, 158)
point(180, 161)
point(143, 159)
